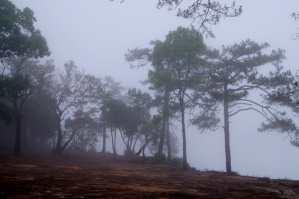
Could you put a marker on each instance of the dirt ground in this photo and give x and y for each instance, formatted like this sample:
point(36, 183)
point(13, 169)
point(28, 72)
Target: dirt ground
point(99, 176)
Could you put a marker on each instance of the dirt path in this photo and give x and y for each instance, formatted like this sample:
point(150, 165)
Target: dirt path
point(99, 176)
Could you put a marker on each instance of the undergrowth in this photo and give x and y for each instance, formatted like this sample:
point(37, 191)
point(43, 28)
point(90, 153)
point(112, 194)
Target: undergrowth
point(172, 161)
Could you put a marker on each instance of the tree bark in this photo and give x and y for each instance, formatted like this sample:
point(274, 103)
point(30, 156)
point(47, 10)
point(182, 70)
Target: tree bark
point(17, 148)
point(144, 146)
point(104, 139)
point(165, 115)
point(168, 141)
point(185, 163)
point(226, 131)
point(113, 140)
point(59, 141)
point(67, 143)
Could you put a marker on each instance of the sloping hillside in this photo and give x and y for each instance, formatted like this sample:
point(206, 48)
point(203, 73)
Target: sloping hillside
point(99, 176)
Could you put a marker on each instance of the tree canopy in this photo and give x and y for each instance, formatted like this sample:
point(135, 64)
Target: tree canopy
point(19, 41)
point(235, 74)
point(185, 75)
point(203, 12)
point(178, 66)
point(18, 35)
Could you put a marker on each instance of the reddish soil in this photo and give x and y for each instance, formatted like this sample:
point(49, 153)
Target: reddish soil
point(99, 176)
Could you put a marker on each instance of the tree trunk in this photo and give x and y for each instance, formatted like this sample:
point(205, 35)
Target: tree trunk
point(143, 155)
point(133, 148)
point(67, 143)
point(126, 141)
point(168, 141)
point(162, 137)
point(42, 142)
point(165, 115)
point(27, 141)
point(58, 149)
point(185, 163)
point(17, 148)
point(142, 148)
point(104, 139)
point(113, 140)
point(226, 131)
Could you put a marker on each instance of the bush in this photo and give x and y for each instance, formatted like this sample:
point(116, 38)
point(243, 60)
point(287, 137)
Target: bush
point(160, 159)
point(174, 161)
point(128, 153)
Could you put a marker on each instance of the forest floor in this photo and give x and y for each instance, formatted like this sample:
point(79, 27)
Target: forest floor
point(100, 176)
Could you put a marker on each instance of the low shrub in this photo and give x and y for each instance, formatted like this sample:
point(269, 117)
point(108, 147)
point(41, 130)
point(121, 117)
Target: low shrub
point(173, 161)
point(160, 159)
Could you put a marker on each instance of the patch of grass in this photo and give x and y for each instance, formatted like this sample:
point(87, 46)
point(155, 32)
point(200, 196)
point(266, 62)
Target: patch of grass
point(234, 173)
point(177, 162)
point(216, 171)
point(160, 159)
point(173, 161)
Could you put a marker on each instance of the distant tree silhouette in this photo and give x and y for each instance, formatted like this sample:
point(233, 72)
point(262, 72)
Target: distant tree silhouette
point(107, 89)
point(178, 65)
point(68, 90)
point(21, 78)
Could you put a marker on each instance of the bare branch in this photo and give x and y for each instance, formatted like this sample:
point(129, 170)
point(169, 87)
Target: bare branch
point(204, 12)
point(246, 109)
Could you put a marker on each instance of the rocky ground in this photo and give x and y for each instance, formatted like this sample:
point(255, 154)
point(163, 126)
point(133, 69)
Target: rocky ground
point(99, 176)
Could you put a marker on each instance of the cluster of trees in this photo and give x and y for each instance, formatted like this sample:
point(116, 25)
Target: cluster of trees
point(74, 108)
point(68, 108)
point(205, 82)
point(50, 107)
point(19, 38)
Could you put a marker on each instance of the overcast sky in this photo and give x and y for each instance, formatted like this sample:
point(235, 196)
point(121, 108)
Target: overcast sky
point(96, 34)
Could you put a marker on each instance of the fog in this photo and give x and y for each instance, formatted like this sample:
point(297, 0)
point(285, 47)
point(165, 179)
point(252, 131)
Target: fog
point(96, 35)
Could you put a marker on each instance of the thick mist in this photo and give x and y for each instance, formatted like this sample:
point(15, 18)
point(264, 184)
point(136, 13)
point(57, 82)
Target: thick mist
point(97, 34)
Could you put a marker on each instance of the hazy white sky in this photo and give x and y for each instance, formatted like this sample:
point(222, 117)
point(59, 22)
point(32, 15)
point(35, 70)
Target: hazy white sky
point(97, 33)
